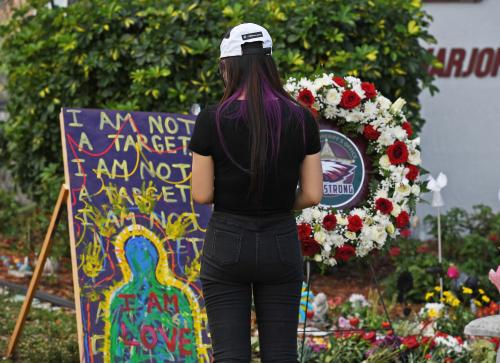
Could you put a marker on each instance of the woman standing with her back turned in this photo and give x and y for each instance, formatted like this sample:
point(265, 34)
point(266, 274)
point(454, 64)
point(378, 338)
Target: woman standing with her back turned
point(249, 153)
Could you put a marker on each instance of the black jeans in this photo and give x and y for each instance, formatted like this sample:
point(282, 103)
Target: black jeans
point(245, 255)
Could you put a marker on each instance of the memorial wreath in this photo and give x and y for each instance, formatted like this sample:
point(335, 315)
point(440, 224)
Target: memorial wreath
point(328, 234)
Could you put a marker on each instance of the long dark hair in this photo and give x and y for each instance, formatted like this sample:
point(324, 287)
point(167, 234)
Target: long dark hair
point(257, 75)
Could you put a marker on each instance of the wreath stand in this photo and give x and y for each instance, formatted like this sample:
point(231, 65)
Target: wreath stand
point(42, 258)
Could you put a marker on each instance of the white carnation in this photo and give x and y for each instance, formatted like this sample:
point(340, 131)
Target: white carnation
point(370, 109)
point(384, 102)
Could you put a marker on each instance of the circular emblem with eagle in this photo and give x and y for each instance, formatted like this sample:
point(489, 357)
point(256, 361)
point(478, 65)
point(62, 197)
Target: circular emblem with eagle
point(371, 168)
point(343, 169)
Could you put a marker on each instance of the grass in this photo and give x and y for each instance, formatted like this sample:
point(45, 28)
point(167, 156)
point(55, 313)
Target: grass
point(48, 336)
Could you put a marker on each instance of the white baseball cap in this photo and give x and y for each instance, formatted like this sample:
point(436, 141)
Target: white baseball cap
point(245, 33)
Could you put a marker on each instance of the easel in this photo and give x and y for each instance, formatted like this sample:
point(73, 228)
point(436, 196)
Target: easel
point(42, 258)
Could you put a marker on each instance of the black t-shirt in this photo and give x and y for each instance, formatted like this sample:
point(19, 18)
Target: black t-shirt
point(231, 184)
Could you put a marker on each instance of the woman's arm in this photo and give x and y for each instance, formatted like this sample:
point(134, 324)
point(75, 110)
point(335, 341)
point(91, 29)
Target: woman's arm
point(310, 189)
point(202, 179)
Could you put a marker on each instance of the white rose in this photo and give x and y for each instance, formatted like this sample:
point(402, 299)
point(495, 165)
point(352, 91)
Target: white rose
point(415, 189)
point(397, 105)
point(384, 162)
point(350, 235)
point(332, 261)
point(390, 228)
point(341, 220)
point(317, 258)
point(414, 157)
point(403, 189)
point(396, 209)
point(333, 97)
point(320, 237)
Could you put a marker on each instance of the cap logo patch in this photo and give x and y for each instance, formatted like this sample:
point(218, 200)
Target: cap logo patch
point(251, 35)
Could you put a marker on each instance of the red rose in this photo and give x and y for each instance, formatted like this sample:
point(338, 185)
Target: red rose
point(339, 80)
point(354, 322)
point(329, 222)
point(402, 219)
point(386, 325)
point(345, 252)
point(309, 314)
point(394, 251)
point(405, 233)
point(355, 223)
point(369, 89)
point(350, 99)
point(310, 247)
point(493, 237)
point(398, 153)
point(411, 342)
point(384, 205)
point(370, 336)
point(304, 230)
point(306, 97)
point(370, 133)
point(423, 249)
point(407, 127)
point(428, 356)
point(413, 172)
point(429, 341)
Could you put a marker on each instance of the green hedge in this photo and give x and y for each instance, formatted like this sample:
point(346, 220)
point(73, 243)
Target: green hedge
point(162, 55)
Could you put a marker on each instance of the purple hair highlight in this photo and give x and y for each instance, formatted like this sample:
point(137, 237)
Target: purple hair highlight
point(273, 112)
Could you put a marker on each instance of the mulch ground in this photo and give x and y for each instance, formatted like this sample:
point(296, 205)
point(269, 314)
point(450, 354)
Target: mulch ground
point(338, 283)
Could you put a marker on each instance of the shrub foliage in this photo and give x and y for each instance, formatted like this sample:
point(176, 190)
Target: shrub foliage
point(162, 55)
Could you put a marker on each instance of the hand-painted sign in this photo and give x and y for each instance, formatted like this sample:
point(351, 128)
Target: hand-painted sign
point(136, 236)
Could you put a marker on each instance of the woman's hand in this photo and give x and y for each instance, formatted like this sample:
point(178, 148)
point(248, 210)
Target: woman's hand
point(202, 179)
point(310, 190)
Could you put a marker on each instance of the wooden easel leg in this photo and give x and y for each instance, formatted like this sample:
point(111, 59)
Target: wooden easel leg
point(63, 195)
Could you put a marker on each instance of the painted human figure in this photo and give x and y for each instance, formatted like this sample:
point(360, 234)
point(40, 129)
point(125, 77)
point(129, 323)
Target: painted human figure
point(150, 322)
